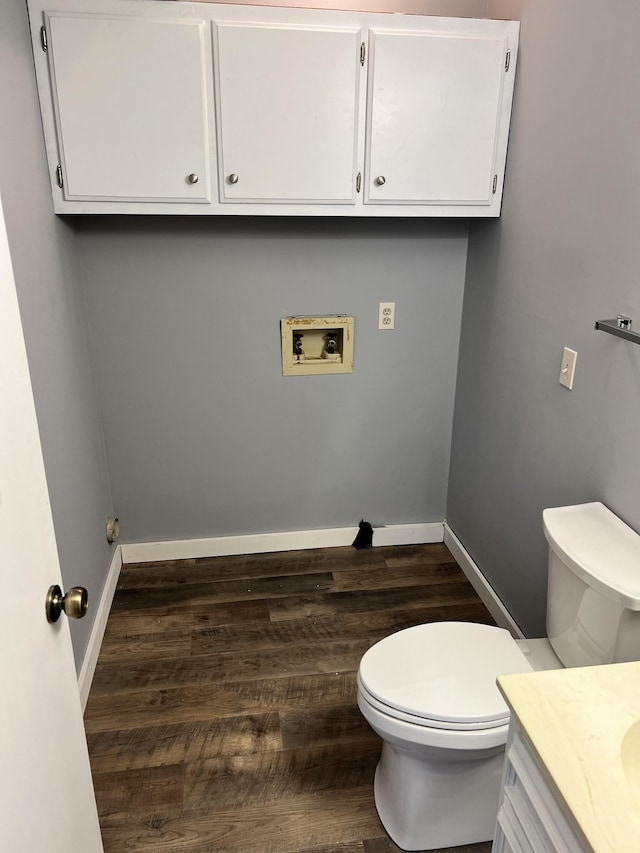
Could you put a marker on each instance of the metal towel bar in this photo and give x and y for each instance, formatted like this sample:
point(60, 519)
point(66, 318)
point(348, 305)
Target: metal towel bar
point(620, 326)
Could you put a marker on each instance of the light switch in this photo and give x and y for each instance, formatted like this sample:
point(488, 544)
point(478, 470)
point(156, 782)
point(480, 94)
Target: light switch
point(568, 367)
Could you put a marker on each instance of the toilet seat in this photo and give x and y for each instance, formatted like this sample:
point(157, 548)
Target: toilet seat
point(441, 675)
point(426, 722)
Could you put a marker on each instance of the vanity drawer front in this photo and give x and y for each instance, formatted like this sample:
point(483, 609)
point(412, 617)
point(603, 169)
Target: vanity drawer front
point(541, 817)
point(533, 830)
point(509, 837)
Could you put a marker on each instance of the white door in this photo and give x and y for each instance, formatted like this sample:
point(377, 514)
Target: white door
point(433, 117)
point(46, 800)
point(130, 101)
point(288, 104)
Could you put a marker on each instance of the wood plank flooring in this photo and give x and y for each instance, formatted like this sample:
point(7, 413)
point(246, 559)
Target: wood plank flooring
point(222, 716)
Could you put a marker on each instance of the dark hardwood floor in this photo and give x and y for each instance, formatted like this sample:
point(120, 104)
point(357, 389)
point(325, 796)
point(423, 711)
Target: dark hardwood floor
point(222, 717)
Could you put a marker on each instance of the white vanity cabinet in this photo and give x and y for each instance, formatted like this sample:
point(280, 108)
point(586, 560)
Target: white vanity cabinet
point(571, 780)
point(531, 818)
point(158, 107)
point(129, 95)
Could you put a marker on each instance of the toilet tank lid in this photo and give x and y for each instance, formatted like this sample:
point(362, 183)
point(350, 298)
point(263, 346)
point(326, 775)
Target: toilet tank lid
point(598, 547)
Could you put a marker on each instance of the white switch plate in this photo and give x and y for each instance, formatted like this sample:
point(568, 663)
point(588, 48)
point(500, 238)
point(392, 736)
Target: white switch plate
point(568, 367)
point(386, 315)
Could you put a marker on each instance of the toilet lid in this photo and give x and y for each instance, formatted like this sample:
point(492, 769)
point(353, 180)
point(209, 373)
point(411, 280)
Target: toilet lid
point(443, 673)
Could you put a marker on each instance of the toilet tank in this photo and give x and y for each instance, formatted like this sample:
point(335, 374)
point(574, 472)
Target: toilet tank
point(593, 599)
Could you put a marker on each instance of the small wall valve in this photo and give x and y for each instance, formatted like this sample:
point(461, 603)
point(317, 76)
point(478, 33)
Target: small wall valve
point(112, 529)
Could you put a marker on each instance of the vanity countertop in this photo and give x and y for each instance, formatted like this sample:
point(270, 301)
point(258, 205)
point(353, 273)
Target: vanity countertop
point(584, 726)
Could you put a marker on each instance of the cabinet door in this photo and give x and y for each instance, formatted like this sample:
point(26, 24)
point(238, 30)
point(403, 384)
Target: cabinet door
point(130, 107)
point(287, 101)
point(433, 113)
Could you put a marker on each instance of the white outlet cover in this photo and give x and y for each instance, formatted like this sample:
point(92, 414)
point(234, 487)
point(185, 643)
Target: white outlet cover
point(568, 367)
point(386, 315)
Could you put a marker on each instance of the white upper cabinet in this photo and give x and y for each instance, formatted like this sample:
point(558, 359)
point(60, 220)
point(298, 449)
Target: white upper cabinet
point(130, 107)
point(159, 107)
point(433, 117)
point(287, 109)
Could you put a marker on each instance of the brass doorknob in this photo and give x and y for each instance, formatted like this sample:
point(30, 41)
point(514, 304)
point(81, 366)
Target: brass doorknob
point(74, 603)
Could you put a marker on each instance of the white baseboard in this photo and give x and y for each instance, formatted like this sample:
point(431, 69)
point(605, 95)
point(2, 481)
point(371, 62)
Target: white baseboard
point(295, 540)
point(481, 585)
point(409, 534)
point(99, 625)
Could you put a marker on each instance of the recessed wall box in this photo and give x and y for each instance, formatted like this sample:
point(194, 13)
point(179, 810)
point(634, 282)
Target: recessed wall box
point(317, 345)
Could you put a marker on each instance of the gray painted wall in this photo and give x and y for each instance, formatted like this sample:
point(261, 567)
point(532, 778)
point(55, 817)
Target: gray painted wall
point(204, 435)
point(565, 253)
point(43, 251)
point(446, 8)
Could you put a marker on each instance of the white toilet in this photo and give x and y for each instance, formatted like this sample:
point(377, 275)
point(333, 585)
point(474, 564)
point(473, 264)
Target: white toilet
point(430, 691)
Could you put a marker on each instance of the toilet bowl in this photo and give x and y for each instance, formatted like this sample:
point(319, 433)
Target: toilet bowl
point(430, 691)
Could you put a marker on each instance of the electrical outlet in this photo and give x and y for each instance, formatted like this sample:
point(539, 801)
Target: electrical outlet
point(568, 367)
point(386, 315)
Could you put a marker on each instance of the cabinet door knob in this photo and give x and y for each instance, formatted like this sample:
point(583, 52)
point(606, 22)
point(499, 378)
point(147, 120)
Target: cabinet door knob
point(233, 178)
point(381, 180)
point(192, 178)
